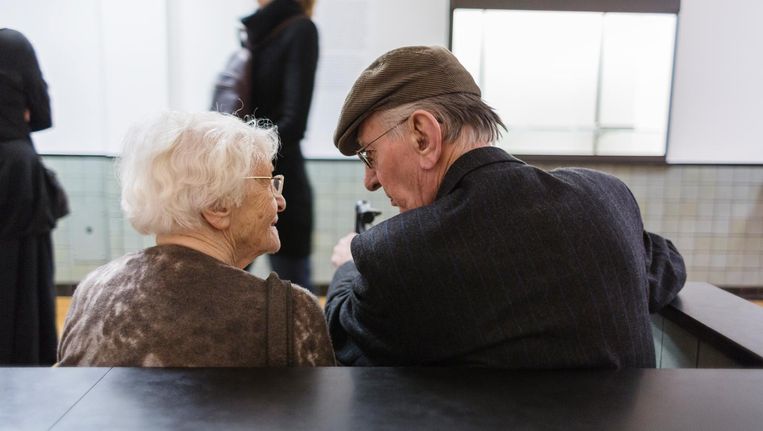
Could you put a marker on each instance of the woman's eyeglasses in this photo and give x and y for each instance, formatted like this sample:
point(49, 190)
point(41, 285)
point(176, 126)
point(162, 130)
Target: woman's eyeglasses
point(276, 182)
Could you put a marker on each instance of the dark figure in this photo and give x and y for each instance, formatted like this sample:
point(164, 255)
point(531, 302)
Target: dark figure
point(285, 45)
point(491, 262)
point(27, 297)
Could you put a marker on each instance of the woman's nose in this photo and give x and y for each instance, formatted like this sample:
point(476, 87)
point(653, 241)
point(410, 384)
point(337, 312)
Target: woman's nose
point(370, 180)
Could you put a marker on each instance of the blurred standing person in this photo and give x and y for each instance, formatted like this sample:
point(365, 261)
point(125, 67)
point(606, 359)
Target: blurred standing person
point(27, 300)
point(285, 45)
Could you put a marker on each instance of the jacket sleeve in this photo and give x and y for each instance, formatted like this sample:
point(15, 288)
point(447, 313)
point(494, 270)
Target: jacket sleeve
point(35, 91)
point(665, 270)
point(298, 82)
point(340, 315)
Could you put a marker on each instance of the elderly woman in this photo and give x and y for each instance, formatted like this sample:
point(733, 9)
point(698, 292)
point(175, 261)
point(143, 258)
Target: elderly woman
point(202, 183)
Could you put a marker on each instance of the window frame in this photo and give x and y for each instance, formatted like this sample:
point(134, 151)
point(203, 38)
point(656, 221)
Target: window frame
point(622, 6)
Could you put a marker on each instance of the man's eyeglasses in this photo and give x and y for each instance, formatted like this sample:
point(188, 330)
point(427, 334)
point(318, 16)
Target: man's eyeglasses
point(276, 181)
point(362, 153)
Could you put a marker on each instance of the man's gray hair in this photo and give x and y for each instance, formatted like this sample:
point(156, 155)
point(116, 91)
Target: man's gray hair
point(177, 164)
point(453, 111)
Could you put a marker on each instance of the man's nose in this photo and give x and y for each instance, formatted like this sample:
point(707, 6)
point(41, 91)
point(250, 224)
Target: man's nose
point(370, 180)
point(281, 202)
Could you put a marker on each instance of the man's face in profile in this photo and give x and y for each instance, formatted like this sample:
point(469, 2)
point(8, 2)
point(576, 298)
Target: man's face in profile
point(394, 163)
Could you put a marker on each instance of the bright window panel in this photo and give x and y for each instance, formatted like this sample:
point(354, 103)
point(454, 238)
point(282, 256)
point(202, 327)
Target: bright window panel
point(637, 68)
point(582, 83)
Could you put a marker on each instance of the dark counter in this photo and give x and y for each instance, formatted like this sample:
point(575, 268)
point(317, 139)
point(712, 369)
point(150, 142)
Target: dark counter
point(724, 328)
point(379, 398)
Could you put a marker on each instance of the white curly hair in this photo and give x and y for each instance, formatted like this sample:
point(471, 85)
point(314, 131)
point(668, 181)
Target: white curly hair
point(177, 164)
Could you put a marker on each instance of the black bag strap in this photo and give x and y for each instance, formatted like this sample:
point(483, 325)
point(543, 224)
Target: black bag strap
point(279, 331)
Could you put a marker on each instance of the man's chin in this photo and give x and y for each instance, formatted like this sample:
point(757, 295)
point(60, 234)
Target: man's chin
point(275, 248)
point(276, 240)
point(396, 205)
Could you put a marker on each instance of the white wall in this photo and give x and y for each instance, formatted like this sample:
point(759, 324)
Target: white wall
point(134, 65)
point(48, 25)
point(105, 63)
point(353, 33)
point(109, 63)
point(717, 110)
point(201, 35)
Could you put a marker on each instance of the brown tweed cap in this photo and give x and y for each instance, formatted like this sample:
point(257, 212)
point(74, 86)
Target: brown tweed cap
point(401, 76)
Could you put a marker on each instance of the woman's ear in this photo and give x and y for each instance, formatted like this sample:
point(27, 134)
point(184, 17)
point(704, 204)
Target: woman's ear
point(428, 135)
point(218, 217)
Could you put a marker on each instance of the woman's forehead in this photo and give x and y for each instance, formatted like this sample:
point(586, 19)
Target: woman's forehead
point(263, 167)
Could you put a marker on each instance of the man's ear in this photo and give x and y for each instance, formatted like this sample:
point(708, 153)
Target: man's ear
point(428, 135)
point(217, 217)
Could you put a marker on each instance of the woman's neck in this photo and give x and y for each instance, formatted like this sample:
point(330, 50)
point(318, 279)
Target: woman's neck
point(202, 242)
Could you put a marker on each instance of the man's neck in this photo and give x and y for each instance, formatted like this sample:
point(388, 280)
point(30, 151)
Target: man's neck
point(454, 150)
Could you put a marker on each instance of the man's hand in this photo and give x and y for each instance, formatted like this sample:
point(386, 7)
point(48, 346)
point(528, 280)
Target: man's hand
point(342, 253)
point(27, 115)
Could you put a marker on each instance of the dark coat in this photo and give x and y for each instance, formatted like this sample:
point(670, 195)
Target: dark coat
point(511, 266)
point(283, 75)
point(21, 87)
point(27, 307)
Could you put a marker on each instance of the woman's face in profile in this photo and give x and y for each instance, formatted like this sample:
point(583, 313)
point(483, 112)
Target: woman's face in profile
point(253, 224)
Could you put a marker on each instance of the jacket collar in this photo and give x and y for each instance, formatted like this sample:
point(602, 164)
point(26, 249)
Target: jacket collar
point(264, 20)
point(470, 161)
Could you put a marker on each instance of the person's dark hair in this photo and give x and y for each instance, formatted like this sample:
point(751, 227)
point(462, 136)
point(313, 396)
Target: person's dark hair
point(307, 6)
point(454, 111)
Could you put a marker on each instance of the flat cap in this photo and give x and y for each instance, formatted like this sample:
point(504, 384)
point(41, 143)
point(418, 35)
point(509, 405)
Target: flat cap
point(401, 76)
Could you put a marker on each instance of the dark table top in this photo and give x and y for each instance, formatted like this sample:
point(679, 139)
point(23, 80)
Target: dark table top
point(730, 323)
point(379, 398)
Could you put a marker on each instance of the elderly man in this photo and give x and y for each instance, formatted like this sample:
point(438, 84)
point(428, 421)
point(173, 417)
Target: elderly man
point(491, 262)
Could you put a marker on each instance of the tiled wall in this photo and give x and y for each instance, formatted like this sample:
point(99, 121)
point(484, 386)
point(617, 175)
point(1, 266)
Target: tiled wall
point(714, 215)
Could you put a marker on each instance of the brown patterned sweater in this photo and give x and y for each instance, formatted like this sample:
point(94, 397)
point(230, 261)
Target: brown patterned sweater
point(171, 306)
